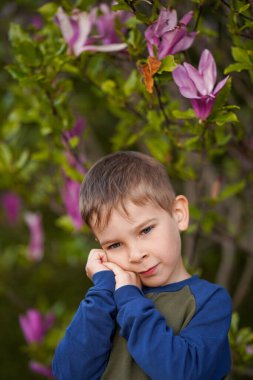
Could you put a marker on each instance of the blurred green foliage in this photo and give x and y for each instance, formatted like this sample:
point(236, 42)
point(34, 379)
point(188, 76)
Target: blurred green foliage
point(44, 90)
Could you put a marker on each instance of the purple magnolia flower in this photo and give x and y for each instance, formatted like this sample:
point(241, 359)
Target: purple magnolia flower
point(41, 369)
point(12, 207)
point(167, 35)
point(77, 130)
point(71, 201)
point(76, 30)
point(249, 349)
point(35, 326)
point(105, 23)
point(198, 84)
point(77, 160)
point(37, 21)
point(36, 243)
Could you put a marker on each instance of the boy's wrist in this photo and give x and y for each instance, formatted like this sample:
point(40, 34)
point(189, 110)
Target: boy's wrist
point(104, 279)
point(126, 293)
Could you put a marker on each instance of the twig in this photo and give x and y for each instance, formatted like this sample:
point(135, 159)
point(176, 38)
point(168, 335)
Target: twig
point(245, 281)
point(161, 104)
point(131, 5)
point(198, 16)
point(55, 113)
point(240, 14)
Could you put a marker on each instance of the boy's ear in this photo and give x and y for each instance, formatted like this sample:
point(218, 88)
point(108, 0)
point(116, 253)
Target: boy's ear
point(181, 212)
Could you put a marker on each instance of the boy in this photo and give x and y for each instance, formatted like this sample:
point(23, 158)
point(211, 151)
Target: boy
point(146, 317)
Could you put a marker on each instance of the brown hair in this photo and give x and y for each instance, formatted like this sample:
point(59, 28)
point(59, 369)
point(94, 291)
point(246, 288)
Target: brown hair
point(122, 176)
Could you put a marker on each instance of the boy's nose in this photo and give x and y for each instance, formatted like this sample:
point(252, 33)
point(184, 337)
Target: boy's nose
point(136, 255)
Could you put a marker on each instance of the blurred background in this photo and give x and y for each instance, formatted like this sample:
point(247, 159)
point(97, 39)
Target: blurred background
point(68, 99)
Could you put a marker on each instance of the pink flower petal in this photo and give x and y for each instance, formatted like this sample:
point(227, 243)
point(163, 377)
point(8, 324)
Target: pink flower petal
point(36, 243)
point(167, 36)
point(77, 130)
point(31, 325)
point(34, 325)
point(203, 80)
point(202, 107)
point(207, 68)
point(41, 369)
point(12, 207)
point(65, 24)
point(169, 42)
point(71, 200)
point(187, 18)
point(184, 43)
point(105, 48)
point(83, 29)
point(76, 29)
point(220, 85)
point(197, 78)
point(48, 322)
point(166, 21)
point(151, 39)
point(184, 82)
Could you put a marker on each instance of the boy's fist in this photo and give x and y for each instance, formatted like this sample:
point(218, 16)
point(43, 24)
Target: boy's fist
point(123, 277)
point(95, 262)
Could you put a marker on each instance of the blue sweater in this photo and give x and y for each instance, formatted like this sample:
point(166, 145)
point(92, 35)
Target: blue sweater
point(175, 332)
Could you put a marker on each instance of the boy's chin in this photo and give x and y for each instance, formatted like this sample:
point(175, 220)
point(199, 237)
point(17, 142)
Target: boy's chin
point(152, 282)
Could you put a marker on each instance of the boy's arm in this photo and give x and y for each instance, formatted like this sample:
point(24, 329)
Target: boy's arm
point(200, 351)
point(84, 351)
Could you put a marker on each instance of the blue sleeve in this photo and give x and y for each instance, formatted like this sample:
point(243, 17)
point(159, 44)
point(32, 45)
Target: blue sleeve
point(84, 351)
point(200, 351)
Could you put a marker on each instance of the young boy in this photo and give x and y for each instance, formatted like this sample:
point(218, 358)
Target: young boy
point(145, 317)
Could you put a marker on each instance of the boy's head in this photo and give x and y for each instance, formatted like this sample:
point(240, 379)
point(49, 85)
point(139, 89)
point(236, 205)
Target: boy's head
point(120, 177)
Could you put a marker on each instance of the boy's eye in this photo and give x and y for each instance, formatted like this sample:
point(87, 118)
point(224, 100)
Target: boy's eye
point(113, 246)
point(146, 230)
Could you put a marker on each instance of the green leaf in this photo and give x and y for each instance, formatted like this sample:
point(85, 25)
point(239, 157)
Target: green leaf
point(27, 54)
point(231, 190)
point(243, 8)
point(158, 147)
point(5, 154)
point(209, 222)
point(131, 83)
point(222, 136)
point(121, 6)
point(195, 212)
point(16, 72)
point(221, 99)
point(22, 160)
point(74, 141)
point(65, 222)
point(155, 119)
point(238, 67)
point(226, 117)
point(168, 64)
point(17, 35)
point(48, 10)
point(108, 86)
point(240, 55)
point(42, 155)
point(188, 114)
point(192, 143)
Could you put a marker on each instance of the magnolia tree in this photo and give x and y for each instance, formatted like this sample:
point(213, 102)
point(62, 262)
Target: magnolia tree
point(173, 79)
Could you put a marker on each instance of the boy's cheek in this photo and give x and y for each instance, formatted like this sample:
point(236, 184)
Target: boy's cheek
point(116, 261)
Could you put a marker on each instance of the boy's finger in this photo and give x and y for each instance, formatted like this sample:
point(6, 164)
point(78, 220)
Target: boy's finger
point(97, 254)
point(114, 267)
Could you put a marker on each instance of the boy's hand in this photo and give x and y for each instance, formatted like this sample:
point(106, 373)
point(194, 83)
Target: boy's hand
point(123, 277)
point(95, 262)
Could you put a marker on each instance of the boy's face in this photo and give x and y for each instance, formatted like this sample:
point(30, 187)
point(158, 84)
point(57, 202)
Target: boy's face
point(147, 241)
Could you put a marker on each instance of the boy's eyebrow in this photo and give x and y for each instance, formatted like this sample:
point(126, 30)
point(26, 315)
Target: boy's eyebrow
point(145, 223)
point(136, 228)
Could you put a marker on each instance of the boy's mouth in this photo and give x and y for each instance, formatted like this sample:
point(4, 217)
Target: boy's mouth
point(150, 271)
